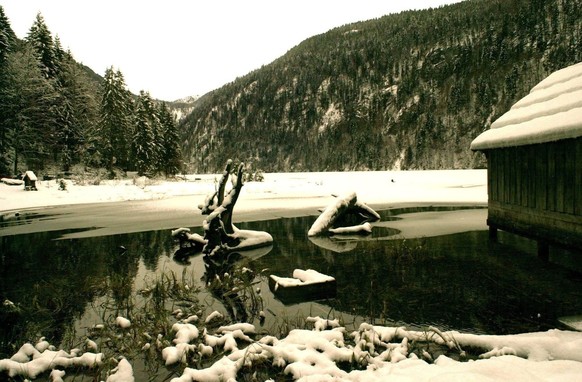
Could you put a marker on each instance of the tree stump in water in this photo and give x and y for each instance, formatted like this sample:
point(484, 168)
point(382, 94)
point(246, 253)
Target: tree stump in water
point(218, 228)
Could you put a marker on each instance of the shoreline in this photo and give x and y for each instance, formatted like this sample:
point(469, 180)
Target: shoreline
point(113, 218)
point(122, 207)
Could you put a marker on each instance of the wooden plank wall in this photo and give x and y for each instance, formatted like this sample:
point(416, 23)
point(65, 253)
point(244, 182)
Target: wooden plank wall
point(578, 179)
point(546, 177)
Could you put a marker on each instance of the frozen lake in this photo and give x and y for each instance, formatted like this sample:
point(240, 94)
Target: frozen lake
point(423, 265)
point(428, 261)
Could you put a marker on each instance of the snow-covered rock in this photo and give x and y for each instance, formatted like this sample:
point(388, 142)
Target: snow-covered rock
point(122, 373)
point(122, 322)
point(304, 285)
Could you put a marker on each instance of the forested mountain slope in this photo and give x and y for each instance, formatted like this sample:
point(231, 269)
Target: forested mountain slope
point(405, 91)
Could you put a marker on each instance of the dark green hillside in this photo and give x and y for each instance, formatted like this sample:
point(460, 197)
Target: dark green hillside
point(403, 91)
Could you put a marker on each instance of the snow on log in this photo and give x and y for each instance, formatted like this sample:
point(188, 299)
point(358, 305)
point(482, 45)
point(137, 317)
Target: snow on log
point(187, 239)
point(346, 208)
point(331, 213)
point(365, 228)
point(215, 200)
point(249, 239)
point(304, 285)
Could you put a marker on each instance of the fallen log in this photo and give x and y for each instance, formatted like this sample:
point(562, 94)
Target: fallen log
point(345, 215)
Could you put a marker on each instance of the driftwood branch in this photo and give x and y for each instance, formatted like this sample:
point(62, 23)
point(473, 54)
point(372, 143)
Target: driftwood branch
point(218, 227)
point(217, 198)
point(346, 212)
point(231, 199)
point(222, 182)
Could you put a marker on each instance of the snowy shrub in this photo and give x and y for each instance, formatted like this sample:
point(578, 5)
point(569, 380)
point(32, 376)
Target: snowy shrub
point(62, 184)
point(93, 177)
point(258, 176)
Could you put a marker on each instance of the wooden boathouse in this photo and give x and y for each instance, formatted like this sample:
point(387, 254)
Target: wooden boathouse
point(534, 162)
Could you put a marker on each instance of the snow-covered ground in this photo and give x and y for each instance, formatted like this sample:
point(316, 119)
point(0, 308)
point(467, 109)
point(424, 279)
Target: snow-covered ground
point(159, 205)
point(285, 190)
point(313, 355)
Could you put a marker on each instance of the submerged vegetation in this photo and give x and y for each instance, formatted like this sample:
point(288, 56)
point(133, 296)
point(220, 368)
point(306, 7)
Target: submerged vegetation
point(162, 330)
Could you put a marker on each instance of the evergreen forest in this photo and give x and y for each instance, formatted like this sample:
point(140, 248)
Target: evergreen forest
point(56, 113)
point(404, 91)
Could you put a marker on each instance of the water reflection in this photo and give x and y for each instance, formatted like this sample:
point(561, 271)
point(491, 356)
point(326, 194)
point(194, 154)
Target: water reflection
point(15, 218)
point(459, 281)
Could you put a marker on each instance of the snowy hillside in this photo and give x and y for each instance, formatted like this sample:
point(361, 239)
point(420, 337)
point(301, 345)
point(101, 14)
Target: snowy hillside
point(405, 91)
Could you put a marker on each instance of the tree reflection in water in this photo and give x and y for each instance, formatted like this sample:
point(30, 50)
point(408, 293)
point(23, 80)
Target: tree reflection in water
point(459, 281)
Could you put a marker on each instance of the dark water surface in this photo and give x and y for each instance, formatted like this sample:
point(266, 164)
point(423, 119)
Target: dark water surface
point(420, 267)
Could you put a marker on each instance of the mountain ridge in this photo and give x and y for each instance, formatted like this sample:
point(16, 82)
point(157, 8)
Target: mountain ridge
point(404, 91)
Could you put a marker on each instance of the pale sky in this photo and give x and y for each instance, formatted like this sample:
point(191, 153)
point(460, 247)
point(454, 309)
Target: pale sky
point(179, 48)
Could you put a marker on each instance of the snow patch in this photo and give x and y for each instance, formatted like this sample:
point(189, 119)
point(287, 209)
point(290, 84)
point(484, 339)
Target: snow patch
point(332, 117)
point(29, 362)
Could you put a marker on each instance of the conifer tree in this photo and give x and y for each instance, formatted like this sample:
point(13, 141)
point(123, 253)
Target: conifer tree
point(77, 111)
point(60, 56)
point(171, 158)
point(68, 134)
point(145, 147)
point(7, 39)
point(40, 38)
point(114, 121)
point(32, 109)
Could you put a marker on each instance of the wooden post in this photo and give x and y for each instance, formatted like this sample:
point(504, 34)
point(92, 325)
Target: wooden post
point(543, 250)
point(492, 233)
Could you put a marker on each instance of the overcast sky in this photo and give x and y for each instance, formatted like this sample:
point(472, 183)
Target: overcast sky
point(178, 48)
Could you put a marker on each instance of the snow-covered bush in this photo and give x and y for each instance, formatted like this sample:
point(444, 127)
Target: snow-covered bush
point(62, 184)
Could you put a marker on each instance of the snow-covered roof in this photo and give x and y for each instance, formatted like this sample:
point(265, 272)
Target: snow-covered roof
point(30, 175)
point(552, 111)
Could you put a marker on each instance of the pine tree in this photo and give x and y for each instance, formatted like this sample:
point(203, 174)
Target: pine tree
point(77, 111)
point(171, 159)
point(7, 39)
point(115, 125)
point(60, 56)
point(68, 135)
point(145, 148)
point(40, 38)
point(32, 111)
